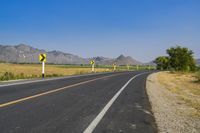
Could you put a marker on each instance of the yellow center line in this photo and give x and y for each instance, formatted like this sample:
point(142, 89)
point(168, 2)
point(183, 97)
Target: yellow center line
point(52, 91)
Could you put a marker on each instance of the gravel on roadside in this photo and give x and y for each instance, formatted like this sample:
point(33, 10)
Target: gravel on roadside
point(166, 109)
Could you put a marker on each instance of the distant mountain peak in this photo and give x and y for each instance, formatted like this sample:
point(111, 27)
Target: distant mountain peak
point(23, 53)
point(126, 60)
point(21, 45)
point(100, 58)
point(121, 57)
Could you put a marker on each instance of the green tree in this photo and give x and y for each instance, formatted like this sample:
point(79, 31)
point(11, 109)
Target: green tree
point(162, 62)
point(181, 58)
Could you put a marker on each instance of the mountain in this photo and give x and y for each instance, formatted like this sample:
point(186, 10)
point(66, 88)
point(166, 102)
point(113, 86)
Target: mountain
point(123, 60)
point(103, 60)
point(23, 53)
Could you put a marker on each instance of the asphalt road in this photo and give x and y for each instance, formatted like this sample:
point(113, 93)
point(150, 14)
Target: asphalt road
point(101, 103)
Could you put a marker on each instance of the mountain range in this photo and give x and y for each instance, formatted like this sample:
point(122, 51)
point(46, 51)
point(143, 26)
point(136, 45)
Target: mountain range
point(23, 53)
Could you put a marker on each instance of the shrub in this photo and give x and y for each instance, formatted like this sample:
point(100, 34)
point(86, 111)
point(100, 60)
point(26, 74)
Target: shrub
point(162, 62)
point(181, 59)
point(53, 75)
point(7, 76)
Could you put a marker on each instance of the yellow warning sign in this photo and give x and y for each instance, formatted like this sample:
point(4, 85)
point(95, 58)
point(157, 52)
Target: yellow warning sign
point(43, 57)
point(92, 62)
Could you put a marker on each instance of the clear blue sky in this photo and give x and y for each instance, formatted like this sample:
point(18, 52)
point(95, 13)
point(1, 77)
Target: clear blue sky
point(142, 29)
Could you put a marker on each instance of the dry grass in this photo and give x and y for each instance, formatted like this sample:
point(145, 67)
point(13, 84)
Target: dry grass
point(34, 70)
point(186, 88)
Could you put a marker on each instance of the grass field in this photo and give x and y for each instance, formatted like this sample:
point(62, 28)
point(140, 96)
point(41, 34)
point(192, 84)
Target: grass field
point(186, 86)
point(24, 71)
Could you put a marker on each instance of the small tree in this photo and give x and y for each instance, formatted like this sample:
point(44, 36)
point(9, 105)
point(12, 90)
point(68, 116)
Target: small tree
point(181, 59)
point(162, 62)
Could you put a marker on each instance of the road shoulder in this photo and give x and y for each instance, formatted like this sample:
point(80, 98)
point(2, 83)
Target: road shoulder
point(27, 81)
point(172, 114)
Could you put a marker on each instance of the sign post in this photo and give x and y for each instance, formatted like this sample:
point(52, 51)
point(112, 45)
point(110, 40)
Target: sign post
point(137, 67)
point(43, 66)
point(128, 67)
point(92, 62)
point(43, 59)
point(114, 67)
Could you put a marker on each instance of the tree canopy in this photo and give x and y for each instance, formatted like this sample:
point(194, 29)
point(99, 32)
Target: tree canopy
point(179, 59)
point(162, 62)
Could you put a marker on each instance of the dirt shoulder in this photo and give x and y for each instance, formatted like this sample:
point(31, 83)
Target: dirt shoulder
point(175, 101)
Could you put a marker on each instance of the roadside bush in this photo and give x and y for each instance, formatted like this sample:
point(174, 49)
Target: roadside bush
point(162, 62)
point(56, 75)
point(35, 76)
point(179, 59)
point(20, 76)
point(7, 76)
point(53, 75)
point(10, 76)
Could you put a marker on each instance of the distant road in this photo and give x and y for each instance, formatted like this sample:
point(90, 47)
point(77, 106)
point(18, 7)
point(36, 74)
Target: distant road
point(101, 103)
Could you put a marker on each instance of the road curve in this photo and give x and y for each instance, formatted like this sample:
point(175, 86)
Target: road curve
point(73, 105)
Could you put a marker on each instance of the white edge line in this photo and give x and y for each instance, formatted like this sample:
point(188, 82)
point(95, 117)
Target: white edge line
point(42, 80)
point(98, 118)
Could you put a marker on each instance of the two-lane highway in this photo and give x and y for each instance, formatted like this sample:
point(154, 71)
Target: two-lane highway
point(110, 102)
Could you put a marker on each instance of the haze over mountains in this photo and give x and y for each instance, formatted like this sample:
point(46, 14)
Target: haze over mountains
point(26, 54)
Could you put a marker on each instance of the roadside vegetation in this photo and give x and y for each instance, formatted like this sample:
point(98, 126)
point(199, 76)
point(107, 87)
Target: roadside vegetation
point(185, 87)
point(10, 71)
point(175, 101)
point(26, 71)
point(179, 59)
point(183, 77)
point(174, 93)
